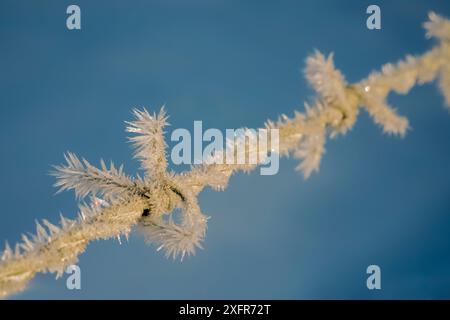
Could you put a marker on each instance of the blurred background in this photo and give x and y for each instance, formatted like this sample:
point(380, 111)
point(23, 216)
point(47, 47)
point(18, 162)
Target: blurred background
point(376, 200)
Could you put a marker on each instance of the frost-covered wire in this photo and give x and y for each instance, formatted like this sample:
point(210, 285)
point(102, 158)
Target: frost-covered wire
point(119, 202)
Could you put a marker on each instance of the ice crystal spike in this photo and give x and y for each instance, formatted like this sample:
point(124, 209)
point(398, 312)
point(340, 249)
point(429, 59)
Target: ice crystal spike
point(7, 253)
point(51, 227)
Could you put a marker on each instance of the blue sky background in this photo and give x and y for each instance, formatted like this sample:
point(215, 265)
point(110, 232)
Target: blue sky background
point(377, 199)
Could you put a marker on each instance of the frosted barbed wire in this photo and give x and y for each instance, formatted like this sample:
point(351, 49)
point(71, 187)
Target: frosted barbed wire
point(150, 202)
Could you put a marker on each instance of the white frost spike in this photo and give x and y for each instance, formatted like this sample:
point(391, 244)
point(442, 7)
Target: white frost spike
point(41, 234)
point(81, 216)
point(149, 140)
point(7, 253)
point(86, 211)
point(310, 152)
point(17, 251)
point(51, 227)
point(27, 244)
point(65, 223)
